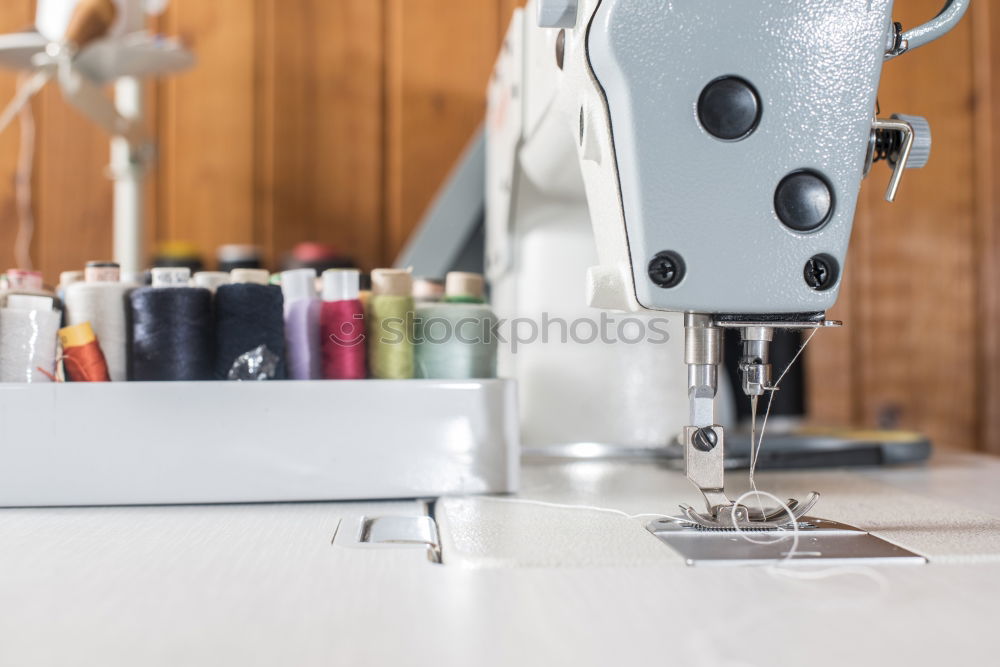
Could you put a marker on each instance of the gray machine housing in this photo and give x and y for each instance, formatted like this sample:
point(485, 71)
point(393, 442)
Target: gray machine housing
point(816, 66)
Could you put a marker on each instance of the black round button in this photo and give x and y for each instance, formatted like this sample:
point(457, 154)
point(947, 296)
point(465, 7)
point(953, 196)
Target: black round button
point(729, 108)
point(804, 201)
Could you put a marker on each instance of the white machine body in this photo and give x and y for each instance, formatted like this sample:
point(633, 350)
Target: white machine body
point(717, 149)
point(540, 245)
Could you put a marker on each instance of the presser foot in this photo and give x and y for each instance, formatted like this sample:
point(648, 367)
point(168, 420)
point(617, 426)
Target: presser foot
point(742, 517)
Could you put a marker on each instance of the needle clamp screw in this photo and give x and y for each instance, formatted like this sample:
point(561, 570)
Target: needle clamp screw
point(705, 439)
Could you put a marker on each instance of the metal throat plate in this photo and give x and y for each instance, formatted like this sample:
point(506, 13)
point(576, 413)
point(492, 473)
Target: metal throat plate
point(821, 542)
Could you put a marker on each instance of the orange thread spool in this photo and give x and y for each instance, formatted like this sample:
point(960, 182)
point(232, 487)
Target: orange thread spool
point(83, 359)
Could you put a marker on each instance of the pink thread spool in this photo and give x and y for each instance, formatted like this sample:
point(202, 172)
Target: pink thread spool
point(342, 326)
point(18, 280)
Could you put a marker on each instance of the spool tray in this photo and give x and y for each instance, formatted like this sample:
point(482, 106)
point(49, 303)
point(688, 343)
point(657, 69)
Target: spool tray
point(139, 443)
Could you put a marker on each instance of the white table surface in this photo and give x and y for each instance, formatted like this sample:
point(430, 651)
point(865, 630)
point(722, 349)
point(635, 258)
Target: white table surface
point(520, 584)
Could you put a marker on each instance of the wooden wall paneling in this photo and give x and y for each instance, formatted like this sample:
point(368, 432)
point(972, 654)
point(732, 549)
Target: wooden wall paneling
point(915, 303)
point(16, 15)
point(73, 191)
point(986, 62)
point(440, 54)
point(320, 126)
point(830, 367)
point(207, 127)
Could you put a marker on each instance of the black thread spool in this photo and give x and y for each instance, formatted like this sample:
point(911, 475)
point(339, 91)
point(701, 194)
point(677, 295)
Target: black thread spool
point(171, 330)
point(249, 314)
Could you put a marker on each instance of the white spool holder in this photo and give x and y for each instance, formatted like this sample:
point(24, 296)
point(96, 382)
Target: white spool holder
point(137, 443)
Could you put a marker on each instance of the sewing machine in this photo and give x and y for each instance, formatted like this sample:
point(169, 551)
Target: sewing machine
point(720, 148)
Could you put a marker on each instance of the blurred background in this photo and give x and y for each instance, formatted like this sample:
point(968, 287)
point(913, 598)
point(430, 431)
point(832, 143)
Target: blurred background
point(336, 121)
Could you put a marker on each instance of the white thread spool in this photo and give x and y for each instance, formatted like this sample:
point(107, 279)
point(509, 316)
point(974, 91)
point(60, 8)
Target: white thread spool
point(29, 328)
point(102, 303)
point(174, 276)
point(238, 256)
point(67, 278)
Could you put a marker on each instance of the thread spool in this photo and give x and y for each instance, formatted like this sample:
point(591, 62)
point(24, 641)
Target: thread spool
point(104, 304)
point(454, 339)
point(426, 290)
point(178, 254)
point(302, 324)
point(461, 287)
point(67, 278)
point(24, 281)
point(29, 328)
point(172, 337)
point(249, 328)
point(238, 256)
point(250, 276)
point(210, 280)
point(342, 326)
point(102, 272)
point(390, 325)
point(83, 360)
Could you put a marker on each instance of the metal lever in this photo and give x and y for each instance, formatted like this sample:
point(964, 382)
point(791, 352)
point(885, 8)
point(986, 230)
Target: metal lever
point(903, 141)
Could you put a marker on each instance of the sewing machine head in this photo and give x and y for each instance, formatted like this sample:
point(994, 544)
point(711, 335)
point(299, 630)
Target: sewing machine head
point(722, 146)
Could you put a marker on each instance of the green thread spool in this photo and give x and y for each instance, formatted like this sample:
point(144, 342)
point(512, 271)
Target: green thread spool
point(461, 287)
point(454, 339)
point(390, 325)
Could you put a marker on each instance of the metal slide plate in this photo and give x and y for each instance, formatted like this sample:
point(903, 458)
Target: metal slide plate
point(821, 542)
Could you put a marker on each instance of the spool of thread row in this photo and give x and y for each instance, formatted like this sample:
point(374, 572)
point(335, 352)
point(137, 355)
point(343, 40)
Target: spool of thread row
point(342, 326)
point(29, 327)
point(454, 339)
point(302, 324)
point(83, 360)
point(101, 300)
point(172, 337)
point(390, 325)
point(249, 328)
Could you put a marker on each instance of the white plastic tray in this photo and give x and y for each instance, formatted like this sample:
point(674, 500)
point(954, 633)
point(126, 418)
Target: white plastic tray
point(141, 443)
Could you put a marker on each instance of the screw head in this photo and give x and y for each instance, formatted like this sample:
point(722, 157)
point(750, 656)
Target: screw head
point(666, 269)
point(820, 272)
point(705, 439)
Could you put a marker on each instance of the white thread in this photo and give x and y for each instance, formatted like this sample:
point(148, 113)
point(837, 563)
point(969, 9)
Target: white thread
point(28, 344)
point(755, 446)
point(592, 508)
point(791, 515)
point(103, 305)
point(775, 569)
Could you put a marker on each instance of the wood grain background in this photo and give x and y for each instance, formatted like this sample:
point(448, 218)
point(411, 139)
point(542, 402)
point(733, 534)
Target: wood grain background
point(336, 120)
